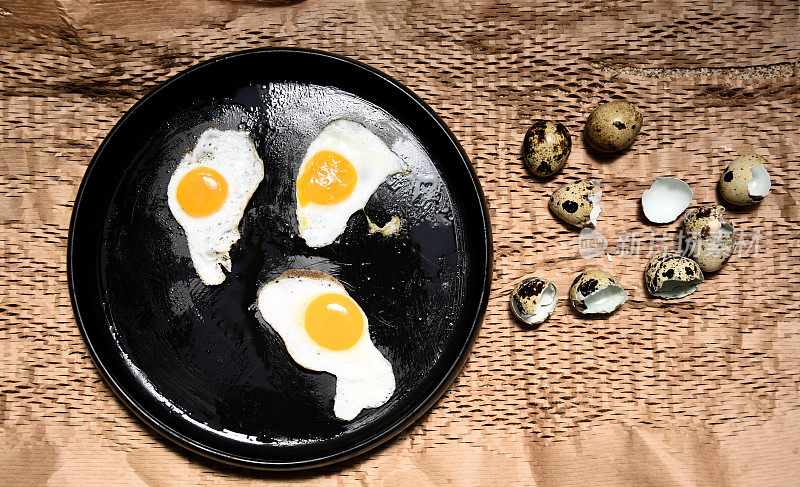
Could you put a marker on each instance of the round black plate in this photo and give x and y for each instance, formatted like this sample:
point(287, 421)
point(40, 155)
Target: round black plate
point(197, 362)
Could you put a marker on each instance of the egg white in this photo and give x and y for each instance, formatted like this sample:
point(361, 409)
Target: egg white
point(210, 238)
point(364, 378)
point(374, 162)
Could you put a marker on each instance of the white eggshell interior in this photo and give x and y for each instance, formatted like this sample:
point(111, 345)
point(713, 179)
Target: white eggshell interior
point(759, 184)
point(546, 305)
point(674, 289)
point(666, 199)
point(605, 300)
point(725, 229)
point(594, 199)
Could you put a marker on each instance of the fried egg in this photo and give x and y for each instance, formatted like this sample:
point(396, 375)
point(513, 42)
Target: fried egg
point(341, 169)
point(325, 330)
point(208, 193)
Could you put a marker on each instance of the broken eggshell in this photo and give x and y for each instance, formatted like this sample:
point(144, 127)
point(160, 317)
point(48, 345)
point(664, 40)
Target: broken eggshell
point(709, 238)
point(596, 292)
point(533, 300)
point(666, 199)
point(672, 276)
point(578, 204)
point(745, 181)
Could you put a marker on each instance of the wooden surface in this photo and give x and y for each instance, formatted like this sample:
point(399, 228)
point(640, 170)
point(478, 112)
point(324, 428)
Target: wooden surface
point(702, 391)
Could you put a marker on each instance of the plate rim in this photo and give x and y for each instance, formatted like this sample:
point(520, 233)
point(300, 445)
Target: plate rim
point(396, 426)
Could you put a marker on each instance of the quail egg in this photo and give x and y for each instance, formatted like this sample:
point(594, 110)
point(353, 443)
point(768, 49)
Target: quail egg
point(596, 292)
point(612, 126)
point(666, 200)
point(709, 238)
point(546, 148)
point(533, 300)
point(672, 276)
point(745, 181)
point(577, 203)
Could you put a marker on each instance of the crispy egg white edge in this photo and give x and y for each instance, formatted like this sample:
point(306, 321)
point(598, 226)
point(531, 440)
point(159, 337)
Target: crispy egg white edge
point(358, 385)
point(320, 225)
point(210, 238)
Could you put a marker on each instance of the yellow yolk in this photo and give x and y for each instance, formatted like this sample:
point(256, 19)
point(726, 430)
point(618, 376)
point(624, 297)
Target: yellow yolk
point(334, 321)
point(327, 178)
point(202, 191)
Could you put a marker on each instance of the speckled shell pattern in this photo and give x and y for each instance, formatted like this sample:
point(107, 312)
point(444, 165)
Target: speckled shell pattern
point(527, 293)
point(733, 184)
point(590, 282)
point(571, 202)
point(708, 245)
point(670, 266)
point(613, 126)
point(546, 148)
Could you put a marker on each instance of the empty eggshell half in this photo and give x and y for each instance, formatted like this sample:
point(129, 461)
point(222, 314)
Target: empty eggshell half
point(745, 181)
point(533, 300)
point(596, 292)
point(672, 276)
point(666, 199)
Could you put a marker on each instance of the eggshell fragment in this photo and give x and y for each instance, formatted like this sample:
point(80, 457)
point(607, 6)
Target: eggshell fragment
point(533, 300)
point(745, 181)
point(596, 292)
point(709, 238)
point(577, 204)
point(672, 276)
point(666, 199)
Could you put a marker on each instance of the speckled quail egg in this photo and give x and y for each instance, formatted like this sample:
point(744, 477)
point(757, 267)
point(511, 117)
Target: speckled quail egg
point(666, 199)
point(577, 203)
point(709, 238)
point(745, 181)
point(672, 276)
point(596, 292)
point(612, 126)
point(533, 300)
point(546, 148)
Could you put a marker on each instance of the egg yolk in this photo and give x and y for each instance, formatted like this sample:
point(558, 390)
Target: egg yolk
point(334, 321)
point(327, 178)
point(202, 191)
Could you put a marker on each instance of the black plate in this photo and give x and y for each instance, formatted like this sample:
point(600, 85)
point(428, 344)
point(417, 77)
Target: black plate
point(196, 362)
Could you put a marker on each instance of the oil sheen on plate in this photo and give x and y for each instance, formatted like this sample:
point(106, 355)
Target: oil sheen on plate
point(201, 350)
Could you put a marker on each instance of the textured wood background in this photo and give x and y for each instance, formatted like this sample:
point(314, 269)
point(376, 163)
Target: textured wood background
point(704, 391)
